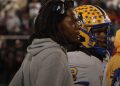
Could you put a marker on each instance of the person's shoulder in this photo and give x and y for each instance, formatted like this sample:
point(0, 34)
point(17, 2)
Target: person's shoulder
point(77, 54)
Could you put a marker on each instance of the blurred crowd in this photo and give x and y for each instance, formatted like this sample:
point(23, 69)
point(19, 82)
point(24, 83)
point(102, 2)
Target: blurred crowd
point(16, 24)
point(17, 19)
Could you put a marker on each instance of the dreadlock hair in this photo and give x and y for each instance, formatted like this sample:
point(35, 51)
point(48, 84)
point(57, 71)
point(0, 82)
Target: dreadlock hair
point(46, 23)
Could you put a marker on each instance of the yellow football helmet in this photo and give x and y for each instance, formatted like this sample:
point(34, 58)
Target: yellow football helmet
point(92, 17)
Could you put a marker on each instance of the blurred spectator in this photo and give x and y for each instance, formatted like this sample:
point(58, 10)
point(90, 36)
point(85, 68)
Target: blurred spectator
point(26, 30)
point(3, 46)
point(113, 4)
point(112, 73)
point(19, 58)
point(2, 16)
point(3, 30)
point(34, 7)
point(12, 22)
point(9, 65)
point(18, 45)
